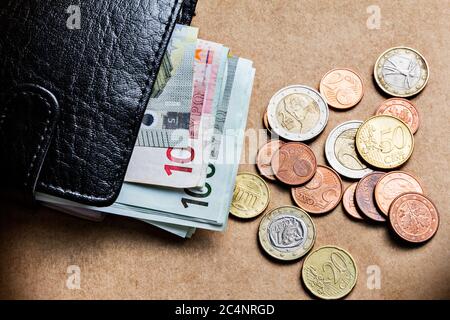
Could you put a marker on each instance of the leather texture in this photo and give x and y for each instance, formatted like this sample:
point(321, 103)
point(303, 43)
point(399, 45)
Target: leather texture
point(72, 100)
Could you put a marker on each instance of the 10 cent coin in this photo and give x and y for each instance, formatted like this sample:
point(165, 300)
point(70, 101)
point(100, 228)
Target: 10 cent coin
point(251, 196)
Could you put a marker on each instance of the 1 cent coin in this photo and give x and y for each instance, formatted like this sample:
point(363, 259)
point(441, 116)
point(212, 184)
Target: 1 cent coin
point(320, 195)
point(287, 233)
point(364, 196)
point(392, 185)
point(294, 163)
point(348, 201)
point(402, 109)
point(384, 142)
point(264, 158)
point(414, 217)
point(329, 273)
point(251, 196)
point(343, 88)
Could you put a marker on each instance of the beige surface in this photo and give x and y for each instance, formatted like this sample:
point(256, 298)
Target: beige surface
point(290, 42)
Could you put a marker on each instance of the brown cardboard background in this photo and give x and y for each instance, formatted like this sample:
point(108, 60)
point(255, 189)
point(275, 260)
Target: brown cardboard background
point(290, 42)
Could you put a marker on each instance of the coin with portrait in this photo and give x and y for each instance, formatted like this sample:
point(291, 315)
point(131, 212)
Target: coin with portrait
point(297, 113)
point(340, 151)
point(287, 233)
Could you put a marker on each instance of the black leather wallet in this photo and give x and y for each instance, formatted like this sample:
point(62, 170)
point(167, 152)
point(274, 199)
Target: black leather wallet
point(72, 99)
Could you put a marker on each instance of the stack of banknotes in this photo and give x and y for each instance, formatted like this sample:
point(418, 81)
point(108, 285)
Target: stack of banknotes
point(183, 168)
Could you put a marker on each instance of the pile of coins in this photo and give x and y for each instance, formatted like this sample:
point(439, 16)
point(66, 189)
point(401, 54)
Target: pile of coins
point(357, 150)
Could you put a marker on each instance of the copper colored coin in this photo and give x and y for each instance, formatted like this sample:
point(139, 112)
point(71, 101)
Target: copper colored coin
point(414, 217)
point(343, 88)
point(392, 185)
point(264, 158)
point(402, 109)
point(294, 163)
point(365, 199)
point(266, 122)
point(322, 194)
point(348, 201)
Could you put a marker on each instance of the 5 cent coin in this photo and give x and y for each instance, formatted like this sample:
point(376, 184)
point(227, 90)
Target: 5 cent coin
point(287, 233)
point(392, 185)
point(343, 88)
point(414, 217)
point(402, 109)
point(364, 196)
point(251, 196)
point(329, 273)
point(294, 163)
point(320, 195)
point(348, 201)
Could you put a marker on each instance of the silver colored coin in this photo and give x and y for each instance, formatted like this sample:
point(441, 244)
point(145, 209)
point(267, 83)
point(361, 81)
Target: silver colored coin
point(298, 113)
point(287, 233)
point(401, 72)
point(340, 151)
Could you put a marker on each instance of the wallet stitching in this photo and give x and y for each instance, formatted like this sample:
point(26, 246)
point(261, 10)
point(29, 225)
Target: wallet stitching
point(41, 136)
point(130, 131)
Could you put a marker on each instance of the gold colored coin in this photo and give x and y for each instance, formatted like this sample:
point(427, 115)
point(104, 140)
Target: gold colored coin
point(251, 196)
point(287, 233)
point(401, 72)
point(329, 273)
point(384, 142)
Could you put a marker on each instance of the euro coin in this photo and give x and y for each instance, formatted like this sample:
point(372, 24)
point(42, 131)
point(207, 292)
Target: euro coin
point(264, 158)
point(402, 109)
point(414, 217)
point(298, 113)
point(294, 163)
point(401, 72)
point(392, 185)
point(343, 88)
point(365, 199)
point(251, 196)
point(384, 142)
point(329, 273)
point(321, 194)
point(287, 233)
point(348, 201)
point(340, 151)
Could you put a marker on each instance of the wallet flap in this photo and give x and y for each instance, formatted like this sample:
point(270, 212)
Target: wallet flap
point(99, 76)
point(27, 121)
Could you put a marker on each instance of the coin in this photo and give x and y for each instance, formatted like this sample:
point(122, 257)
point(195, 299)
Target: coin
point(297, 113)
point(251, 196)
point(414, 217)
point(401, 72)
point(294, 163)
point(264, 158)
point(321, 194)
point(364, 196)
point(266, 122)
point(392, 185)
point(329, 273)
point(340, 151)
point(384, 142)
point(343, 88)
point(402, 109)
point(287, 233)
point(348, 201)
